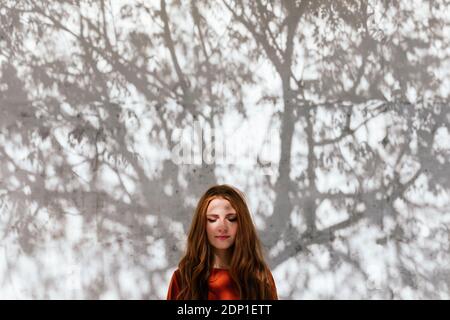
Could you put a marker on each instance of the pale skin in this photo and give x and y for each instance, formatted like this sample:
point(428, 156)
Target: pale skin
point(221, 229)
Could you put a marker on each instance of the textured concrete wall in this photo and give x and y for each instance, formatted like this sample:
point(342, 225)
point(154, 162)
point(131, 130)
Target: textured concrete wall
point(115, 116)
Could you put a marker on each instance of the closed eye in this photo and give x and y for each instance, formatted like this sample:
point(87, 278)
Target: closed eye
point(229, 219)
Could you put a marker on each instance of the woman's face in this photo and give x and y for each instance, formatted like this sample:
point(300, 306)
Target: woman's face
point(221, 224)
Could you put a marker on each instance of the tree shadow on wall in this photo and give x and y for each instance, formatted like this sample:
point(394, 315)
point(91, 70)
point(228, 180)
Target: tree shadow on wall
point(91, 97)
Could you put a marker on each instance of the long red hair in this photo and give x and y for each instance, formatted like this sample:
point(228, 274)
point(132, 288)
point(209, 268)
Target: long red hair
point(248, 268)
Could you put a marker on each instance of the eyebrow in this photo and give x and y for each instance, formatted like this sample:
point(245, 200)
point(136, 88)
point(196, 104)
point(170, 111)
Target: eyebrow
point(216, 215)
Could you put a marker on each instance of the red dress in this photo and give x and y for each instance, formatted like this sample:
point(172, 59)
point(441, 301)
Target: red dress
point(220, 286)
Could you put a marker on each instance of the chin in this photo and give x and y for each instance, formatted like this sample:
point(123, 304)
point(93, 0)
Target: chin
point(222, 247)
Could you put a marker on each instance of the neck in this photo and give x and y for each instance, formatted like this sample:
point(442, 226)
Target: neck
point(222, 259)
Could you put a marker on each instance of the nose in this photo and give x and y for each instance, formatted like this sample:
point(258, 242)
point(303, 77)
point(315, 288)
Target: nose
point(222, 226)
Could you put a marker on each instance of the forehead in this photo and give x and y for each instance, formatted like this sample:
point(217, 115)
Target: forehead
point(219, 205)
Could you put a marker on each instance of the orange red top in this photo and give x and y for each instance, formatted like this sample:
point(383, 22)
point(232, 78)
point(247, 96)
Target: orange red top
point(220, 287)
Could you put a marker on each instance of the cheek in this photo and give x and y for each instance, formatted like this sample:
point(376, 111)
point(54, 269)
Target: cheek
point(234, 229)
point(208, 229)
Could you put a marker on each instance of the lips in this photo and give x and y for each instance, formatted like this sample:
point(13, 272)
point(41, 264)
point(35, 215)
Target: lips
point(222, 237)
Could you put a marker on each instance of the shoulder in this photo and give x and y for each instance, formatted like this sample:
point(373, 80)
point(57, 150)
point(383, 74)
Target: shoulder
point(273, 287)
point(176, 275)
point(174, 286)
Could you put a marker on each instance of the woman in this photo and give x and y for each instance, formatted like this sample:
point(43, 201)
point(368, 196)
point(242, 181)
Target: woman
point(223, 259)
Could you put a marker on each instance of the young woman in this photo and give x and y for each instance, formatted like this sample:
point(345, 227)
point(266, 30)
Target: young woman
point(223, 259)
